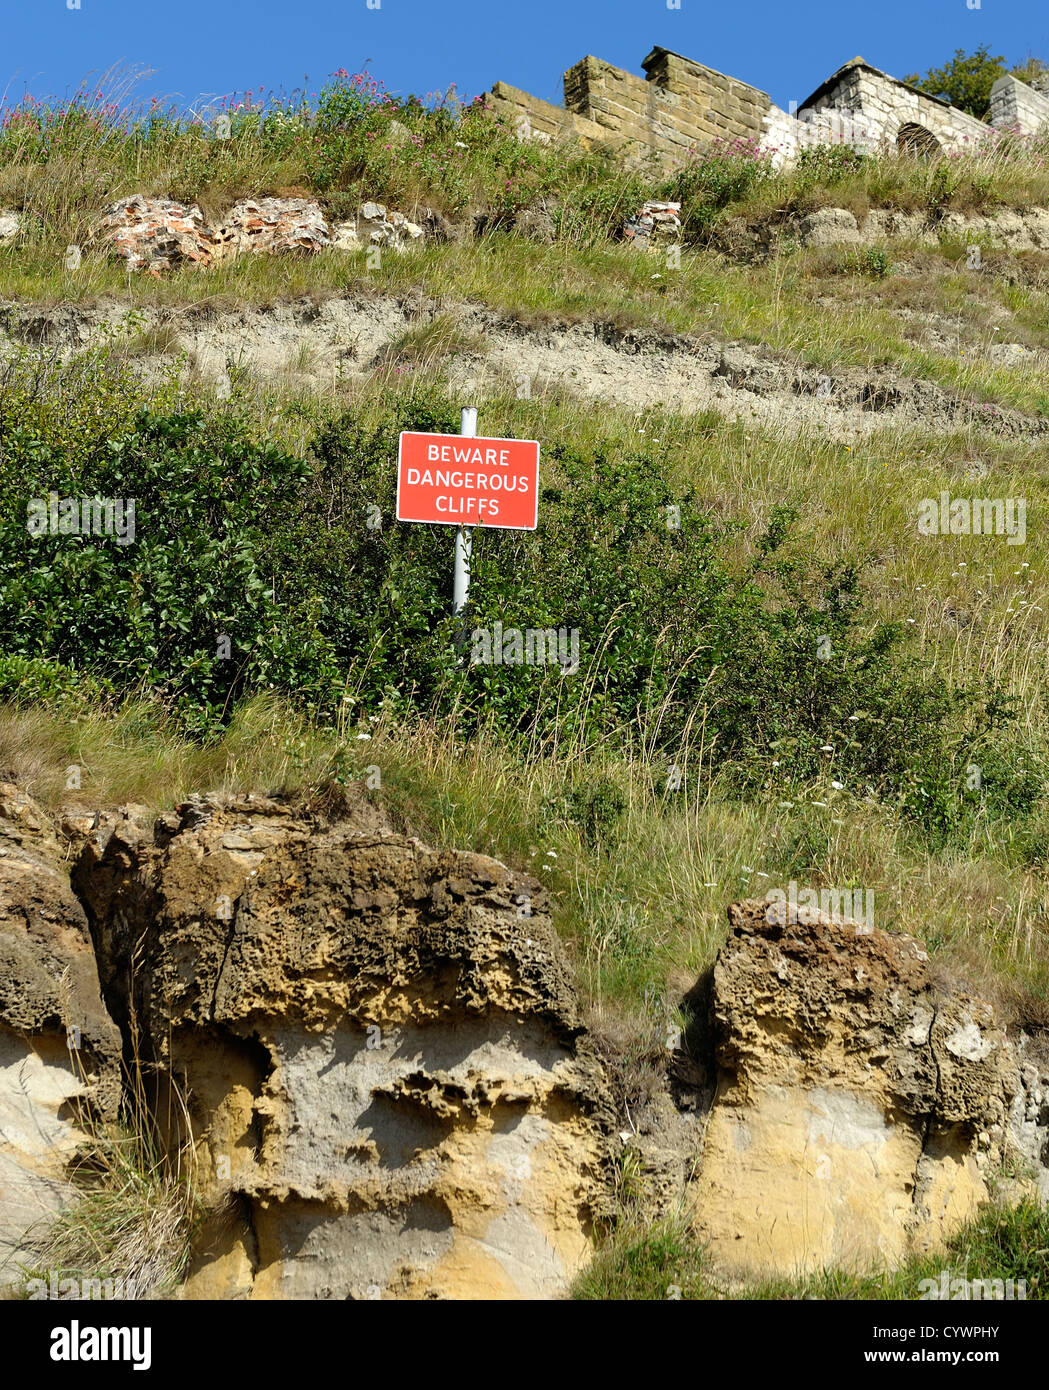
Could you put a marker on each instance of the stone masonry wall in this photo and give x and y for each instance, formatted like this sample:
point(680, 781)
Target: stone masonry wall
point(1014, 103)
point(706, 102)
point(617, 101)
point(880, 107)
point(681, 105)
point(540, 120)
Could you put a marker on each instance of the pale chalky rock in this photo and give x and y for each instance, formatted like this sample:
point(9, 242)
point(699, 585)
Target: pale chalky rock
point(829, 227)
point(10, 223)
point(1010, 354)
point(344, 237)
point(376, 226)
point(59, 1049)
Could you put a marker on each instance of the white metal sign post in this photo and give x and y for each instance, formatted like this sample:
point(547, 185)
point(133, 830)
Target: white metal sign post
point(463, 535)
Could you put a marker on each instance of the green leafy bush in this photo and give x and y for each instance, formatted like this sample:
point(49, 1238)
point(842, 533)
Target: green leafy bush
point(592, 805)
point(725, 173)
point(152, 614)
point(876, 262)
point(34, 680)
point(252, 570)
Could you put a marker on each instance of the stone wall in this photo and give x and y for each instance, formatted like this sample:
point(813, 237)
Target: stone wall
point(681, 105)
point(540, 120)
point(877, 108)
point(710, 103)
point(1014, 103)
point(617, 101)
point(678, 107)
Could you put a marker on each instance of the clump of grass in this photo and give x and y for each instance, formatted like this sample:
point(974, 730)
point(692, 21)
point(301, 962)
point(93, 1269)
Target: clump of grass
point(665, 1261)
point(156, 340)
point(656, 1263)
point(424, 346)
point(133, 1207)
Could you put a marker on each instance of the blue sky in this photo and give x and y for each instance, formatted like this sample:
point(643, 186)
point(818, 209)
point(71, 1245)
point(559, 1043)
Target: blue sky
point(212, 48)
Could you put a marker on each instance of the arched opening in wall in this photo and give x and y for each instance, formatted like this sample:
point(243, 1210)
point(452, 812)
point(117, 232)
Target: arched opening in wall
point(916, 140)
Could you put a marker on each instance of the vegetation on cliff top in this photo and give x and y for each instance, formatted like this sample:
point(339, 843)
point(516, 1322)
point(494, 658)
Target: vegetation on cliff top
point(700, 643)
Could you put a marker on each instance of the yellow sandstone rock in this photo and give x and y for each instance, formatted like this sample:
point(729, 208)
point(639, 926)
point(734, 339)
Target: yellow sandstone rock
point(851, 1097)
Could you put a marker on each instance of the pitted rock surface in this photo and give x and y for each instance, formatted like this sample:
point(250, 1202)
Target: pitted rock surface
point(859, 1111)
point(391, 1089)
point(59, 1049)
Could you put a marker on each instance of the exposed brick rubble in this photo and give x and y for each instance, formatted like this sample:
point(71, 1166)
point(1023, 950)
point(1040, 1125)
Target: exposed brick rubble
point(653, 223)
point(157, 234)
point(275, 226)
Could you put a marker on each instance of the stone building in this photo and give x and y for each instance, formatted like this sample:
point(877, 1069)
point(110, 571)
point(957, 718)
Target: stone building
point(860, 105)
point(681, 105)
point(1014, 103)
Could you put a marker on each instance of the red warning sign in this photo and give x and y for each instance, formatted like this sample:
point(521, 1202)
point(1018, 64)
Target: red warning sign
point(458, 481)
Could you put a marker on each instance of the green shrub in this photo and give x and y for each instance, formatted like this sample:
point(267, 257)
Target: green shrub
point(991, 779)
point(592, 806)
point(965, 81)
point(829, 164)
point(725, 173)
point(251, 570)
point(35, 680)
point(876, 262)
point(152, 614)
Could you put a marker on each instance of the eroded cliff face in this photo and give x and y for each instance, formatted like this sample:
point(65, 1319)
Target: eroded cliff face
point(59, 1049)
point(390, 1093)
point(390, 1089)
point(859, 1109)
